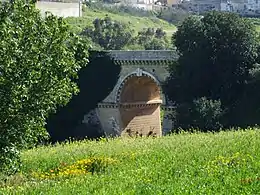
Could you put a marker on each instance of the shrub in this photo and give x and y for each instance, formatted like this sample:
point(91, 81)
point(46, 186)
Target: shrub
point(152, 39)
point(207, 114)
point(202, 113)
point(109, 34)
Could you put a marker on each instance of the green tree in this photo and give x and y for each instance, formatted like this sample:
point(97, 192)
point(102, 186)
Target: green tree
point(38, 60)
point(201, 113)
point(216, 54)
point(109, 34)
point(152, 39)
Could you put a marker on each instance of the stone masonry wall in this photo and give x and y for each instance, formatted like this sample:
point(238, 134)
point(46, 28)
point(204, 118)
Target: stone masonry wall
point(110, 120)
point(167, 123)
point(141, 121)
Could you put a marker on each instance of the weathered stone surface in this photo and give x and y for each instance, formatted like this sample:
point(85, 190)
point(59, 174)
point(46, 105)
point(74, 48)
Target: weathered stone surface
point(141, 121)
point(110, 120)
point(147, 55)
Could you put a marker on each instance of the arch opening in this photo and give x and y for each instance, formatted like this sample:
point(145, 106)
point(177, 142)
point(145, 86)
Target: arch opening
point(139, 104)
point(140, 90)
point(139, 73)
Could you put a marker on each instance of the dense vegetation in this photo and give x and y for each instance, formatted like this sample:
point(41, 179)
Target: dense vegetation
point(198, 163)
point(216, 74)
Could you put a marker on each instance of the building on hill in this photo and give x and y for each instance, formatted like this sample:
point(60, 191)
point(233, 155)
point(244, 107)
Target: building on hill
point(242, 7)
point(61, 9)
point(237, 6)
point(173, 3)
point(201, 6)
point(141, 4)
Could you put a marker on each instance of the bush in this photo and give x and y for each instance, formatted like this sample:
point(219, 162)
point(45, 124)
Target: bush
point(109, 34)
point(156, 44)
point(207, 114)
point(9, 158)
point(202, 113)
point(152, 39)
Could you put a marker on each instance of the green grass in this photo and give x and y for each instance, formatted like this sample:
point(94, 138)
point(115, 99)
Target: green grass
point(136, 23)
point(199, 163)
point(256, 22)
point(258, 28)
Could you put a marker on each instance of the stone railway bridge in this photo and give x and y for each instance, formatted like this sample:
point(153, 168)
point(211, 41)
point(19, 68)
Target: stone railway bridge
point(133, 107)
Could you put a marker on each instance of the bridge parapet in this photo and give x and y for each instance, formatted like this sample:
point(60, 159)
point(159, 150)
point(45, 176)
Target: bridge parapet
point(146, 57)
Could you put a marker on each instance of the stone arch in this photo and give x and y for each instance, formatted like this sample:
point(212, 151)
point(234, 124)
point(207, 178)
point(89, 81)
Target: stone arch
point(137, 73)
point(139, 90)
point(139, 100)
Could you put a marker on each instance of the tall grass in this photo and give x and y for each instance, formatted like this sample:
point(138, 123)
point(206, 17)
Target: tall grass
point(198, 163)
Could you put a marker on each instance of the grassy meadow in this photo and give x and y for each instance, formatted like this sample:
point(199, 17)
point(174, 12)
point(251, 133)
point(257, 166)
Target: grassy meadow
point(136, 23)
point(186, 163)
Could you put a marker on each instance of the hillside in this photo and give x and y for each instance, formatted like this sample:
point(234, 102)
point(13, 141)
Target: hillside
point(135, 22)
point(199, 163)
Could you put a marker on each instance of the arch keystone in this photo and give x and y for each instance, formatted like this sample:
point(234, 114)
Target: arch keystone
point(139, 72)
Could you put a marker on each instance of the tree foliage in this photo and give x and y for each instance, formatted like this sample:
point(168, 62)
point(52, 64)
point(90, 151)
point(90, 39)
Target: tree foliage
point(38, 59)
point(109, 34)
point(216, 54)
point(152, 39)
point(201, 113)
